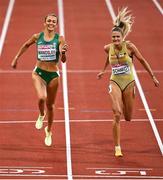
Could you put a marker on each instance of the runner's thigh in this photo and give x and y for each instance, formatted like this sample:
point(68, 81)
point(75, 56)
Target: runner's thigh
point(39, 85)
point(128, 100)
point(52, 90)
point(116, 97)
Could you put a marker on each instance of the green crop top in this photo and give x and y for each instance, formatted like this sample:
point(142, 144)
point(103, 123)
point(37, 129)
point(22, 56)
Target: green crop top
point(48, 50)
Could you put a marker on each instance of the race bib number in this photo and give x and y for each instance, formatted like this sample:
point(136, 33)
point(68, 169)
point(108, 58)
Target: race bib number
point(47, 52)
point(121, 69)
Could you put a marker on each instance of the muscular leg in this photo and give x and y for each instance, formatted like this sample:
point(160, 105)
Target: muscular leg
point(40, 87)
point(51, 96)
point(117, 106)
point(128, 96)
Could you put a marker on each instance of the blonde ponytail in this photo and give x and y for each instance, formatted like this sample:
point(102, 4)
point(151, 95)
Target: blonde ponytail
point(123, 22)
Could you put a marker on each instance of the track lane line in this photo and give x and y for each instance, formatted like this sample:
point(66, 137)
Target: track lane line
point(65, 95)
point(84, 176)
point(75, 120)
point(72, 71)
point(158, 6)
point(6, 24)
point(156, 133)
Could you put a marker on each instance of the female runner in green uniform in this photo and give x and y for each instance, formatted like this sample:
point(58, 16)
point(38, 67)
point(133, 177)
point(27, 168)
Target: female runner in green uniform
point(120, 55)
point(50, 46)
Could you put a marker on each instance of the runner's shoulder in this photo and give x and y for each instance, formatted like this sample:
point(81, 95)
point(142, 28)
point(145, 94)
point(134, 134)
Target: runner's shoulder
point(36, 36)
point(107, 47)
point(130, 45)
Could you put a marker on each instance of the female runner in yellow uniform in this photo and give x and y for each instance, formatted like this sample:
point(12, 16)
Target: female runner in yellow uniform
point(120, 55)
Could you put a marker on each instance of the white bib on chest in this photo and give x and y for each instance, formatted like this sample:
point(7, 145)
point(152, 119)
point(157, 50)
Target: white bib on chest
point(47, 52)
point(121, 69)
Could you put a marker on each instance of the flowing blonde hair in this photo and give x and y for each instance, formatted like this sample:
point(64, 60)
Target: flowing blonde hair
point(123, 22)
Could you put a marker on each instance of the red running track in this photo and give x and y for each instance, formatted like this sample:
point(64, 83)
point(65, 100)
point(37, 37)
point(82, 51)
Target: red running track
point(87, 30)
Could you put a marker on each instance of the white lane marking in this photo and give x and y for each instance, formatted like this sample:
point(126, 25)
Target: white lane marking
point(71, 71)
point(103, 172)
point(77, 120)
point(65, 96)
point(156, 133)
point(158, 6)
point(6, 23)
point(83, 176)
point(155, 130)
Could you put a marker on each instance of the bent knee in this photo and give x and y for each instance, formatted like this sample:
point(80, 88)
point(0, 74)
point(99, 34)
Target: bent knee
point(117, 116)
point(50, 107)
point(42, 98)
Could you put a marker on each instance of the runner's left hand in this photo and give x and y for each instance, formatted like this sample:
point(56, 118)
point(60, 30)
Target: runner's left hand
point(64, 48)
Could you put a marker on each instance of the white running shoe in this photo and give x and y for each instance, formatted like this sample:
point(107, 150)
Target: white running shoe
point(39, 122)
point(118, 152)
point(48, 138)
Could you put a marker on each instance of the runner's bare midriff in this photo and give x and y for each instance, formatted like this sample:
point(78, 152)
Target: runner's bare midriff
point(47, 66)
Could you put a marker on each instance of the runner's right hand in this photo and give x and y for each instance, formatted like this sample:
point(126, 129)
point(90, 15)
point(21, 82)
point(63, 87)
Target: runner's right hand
point(100, 74)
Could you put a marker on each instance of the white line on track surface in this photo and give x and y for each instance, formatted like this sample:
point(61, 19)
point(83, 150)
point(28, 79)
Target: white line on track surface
point(29, 171)
point(76, 120)
point(6, 23)
point(84, 176)
point(157, 4)
point(156, 133)
point(72, 71)
point(65, 95)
